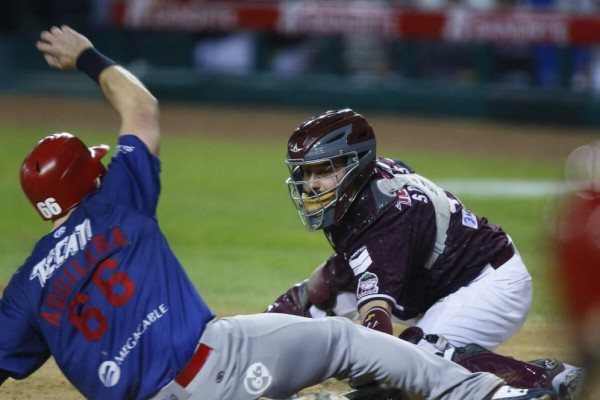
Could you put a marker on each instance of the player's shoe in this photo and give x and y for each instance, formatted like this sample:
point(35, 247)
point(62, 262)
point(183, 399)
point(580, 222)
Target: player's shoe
point(511, 393)
point(571, 385)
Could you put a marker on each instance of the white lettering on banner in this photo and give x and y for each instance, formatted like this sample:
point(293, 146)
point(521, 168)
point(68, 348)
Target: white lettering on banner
point(360, 260)
point(465, 25)
point(182, 16)
point(132, 341)
point(67, 247)
point(322, 18)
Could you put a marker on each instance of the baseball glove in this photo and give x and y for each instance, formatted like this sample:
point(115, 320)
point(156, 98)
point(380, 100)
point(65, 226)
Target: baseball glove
point(294, 301)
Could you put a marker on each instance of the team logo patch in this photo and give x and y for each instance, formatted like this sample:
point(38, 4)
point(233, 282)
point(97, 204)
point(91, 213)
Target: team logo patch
point(367, 284)
point(403, 199)
point(258, 378)
point(360, 260)
point(469, 219)
point(59, 232)
point(109, 373)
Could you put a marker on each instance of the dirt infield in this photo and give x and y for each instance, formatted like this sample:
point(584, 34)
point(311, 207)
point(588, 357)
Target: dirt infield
point(537, 339)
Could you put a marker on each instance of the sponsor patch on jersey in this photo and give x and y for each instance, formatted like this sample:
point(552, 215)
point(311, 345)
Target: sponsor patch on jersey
point(469, 219)
point(109, 373)
point(367, 284)
point(258, 379)
point(125, 149)
point(59, 232)
point(360, 260)
point(403, 199)
point(67, 247)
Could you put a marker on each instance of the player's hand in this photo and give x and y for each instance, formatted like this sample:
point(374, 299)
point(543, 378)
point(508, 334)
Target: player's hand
point(61, 47)
point(294, 301)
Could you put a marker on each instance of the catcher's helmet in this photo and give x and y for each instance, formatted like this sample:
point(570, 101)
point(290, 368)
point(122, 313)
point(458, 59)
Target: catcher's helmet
point(59, 172)
point(334, 136)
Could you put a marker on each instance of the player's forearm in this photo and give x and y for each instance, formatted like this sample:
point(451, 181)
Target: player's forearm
point(137, 107)
point(66, 49)
point(377, 315)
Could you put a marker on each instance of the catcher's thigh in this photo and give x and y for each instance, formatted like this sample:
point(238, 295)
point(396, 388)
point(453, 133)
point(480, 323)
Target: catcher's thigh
point(488, 311)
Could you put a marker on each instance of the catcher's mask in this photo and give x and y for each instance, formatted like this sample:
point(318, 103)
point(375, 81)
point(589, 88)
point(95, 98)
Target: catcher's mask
point(341, 142)
point(59, 172)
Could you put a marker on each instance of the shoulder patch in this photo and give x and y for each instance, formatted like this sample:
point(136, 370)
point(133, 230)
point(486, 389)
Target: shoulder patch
point(469, 219)
point(360, 260)
point(367, 284)
point(403, 199)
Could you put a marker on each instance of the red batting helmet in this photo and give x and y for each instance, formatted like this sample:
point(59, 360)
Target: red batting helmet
point(59, 172)
point(335, 135)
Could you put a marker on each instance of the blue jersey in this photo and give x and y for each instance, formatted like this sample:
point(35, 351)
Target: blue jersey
point(104, 294)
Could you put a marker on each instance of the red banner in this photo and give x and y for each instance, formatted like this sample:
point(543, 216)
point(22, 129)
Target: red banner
point(361, 17)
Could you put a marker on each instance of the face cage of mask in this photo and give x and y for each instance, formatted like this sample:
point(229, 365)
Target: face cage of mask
point(313, 208)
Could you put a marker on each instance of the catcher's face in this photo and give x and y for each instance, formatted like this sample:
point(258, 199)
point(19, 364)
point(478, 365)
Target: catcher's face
point(323, 177)
point(313, 188)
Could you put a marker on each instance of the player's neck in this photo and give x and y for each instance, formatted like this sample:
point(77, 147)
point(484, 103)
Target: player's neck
point(58, 222)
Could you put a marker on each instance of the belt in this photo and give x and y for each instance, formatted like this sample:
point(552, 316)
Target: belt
point(506, 254)
point(177, 388)
point(194, 365)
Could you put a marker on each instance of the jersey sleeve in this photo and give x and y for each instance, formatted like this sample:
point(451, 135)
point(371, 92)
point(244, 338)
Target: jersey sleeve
point(389, 255)
point(22, 347)
point(133, 177)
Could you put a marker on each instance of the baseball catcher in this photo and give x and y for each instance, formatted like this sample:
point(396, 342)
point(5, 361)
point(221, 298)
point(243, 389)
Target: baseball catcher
point(406, 250)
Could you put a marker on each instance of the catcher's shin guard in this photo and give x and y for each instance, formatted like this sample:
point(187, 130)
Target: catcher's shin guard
point(516, 373)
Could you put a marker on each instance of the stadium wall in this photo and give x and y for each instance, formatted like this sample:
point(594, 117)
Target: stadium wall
point(160, 50)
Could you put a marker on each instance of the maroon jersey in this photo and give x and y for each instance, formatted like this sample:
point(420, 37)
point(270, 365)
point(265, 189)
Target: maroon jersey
point(386, 242)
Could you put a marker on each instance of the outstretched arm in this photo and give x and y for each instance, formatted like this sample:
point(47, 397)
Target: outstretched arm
point(66, 49)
